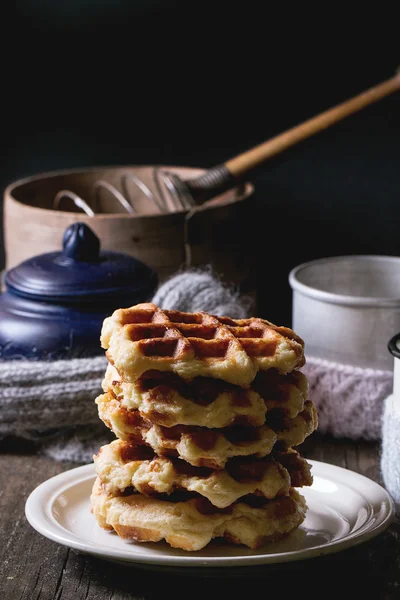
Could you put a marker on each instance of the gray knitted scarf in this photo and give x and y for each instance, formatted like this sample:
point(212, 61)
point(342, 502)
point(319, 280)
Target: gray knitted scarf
point(52, 403)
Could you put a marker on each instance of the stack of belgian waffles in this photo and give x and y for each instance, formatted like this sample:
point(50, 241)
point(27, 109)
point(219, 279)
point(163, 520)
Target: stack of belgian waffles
point(208, 412)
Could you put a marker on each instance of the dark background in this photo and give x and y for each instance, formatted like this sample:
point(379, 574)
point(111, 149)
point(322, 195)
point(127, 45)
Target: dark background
point(195, 83)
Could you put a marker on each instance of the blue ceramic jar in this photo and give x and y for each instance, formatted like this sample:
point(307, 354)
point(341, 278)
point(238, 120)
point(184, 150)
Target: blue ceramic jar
point(54, 304)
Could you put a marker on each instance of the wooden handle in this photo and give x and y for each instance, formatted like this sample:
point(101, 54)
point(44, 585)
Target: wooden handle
point(242, 163)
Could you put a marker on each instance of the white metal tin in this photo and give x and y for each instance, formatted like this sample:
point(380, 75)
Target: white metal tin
point(346, 308)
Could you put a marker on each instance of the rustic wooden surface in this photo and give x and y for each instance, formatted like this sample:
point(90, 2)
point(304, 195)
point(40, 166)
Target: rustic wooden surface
point(35, 568)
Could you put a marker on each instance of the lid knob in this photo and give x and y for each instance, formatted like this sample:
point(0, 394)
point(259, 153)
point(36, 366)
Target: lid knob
point(81, 243)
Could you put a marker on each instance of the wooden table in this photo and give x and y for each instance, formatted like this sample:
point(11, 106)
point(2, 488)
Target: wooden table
point(35, 568)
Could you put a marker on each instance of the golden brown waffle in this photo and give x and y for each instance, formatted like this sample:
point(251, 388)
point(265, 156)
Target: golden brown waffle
point(192, 524)
point(200, 446)
point(284, 392)
point(166, 399)
point(292, 432)
point(121, 466)
point(145, 337)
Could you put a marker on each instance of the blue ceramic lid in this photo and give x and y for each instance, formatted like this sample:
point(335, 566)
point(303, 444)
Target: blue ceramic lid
point(80, 272)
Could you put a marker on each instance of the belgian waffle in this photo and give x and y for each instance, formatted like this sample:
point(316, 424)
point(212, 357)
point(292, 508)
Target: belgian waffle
point(292, 432)
point(207, 447)
point(192, 524)
point(196, 445)
point(168, 400)
point(145, 337)
point(121, 466)
point(284, 392)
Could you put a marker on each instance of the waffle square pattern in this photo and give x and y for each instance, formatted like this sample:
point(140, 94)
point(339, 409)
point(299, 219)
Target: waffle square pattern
point(209, 415)
point(146, 337)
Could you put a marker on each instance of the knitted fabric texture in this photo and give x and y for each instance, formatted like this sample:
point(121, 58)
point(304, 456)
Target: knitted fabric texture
point(349, 400)
point(390, 450)
point(39, 396)
point(52, 403)
point(194, 290)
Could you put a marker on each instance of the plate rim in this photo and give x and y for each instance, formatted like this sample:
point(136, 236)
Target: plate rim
point(55, 485)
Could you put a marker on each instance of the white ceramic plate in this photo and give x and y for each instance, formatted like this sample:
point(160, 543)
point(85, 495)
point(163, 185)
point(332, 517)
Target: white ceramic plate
point(345, 509)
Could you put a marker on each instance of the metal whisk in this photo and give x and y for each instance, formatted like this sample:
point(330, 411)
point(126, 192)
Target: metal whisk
point(172, 193)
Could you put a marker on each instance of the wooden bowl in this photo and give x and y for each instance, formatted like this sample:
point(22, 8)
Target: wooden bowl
point(217, 233)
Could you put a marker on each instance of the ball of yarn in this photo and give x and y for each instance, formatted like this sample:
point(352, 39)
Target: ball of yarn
point(194, 290)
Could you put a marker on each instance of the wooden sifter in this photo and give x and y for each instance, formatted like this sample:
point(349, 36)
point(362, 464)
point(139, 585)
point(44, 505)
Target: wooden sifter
point(216, 180)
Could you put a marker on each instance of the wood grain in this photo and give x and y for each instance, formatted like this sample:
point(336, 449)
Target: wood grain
point(239, 165)
point(219, 233)
point(35, 568)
